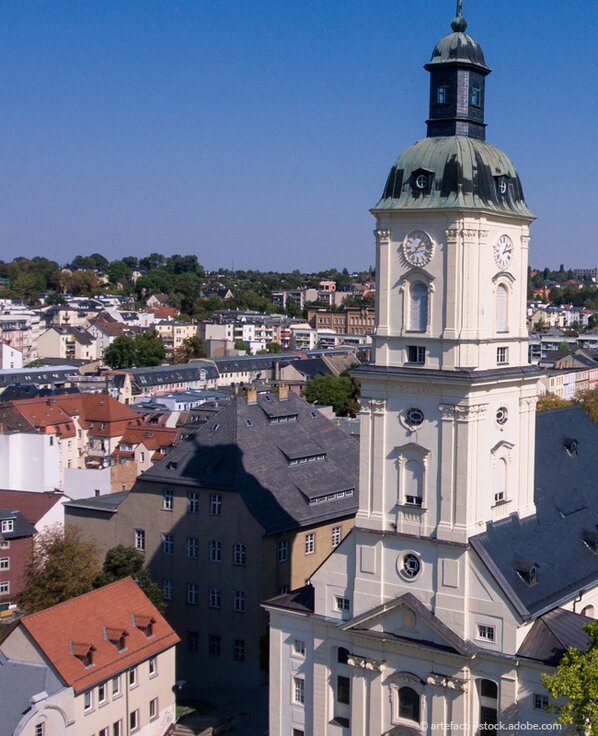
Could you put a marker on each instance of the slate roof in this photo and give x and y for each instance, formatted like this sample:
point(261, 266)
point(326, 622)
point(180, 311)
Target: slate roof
point(238, 449)
point(160, 374)
point(566, 498)
point(56, 631)
point(18, 682)
point(22, 527)
point(106, 503)
point(31, 376)
point(552, 634)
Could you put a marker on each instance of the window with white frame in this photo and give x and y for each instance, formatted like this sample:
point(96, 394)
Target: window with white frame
point(117, 728)
point(215, 598)
point(541, 702)
point(416, 354)
point(4, 587)
point(486, 632)
point(192, 594)
point(418, 307)
point(239, 600)
point(167, 543)
point(4, 544)
point(153, 709)
point(153, 666)
point(167, 499)
point(239, 554)
point(502, 356)
point(116, 686)
point(8, 525)
point(341, 603)
point(409, 704)
point(299, 647)
point(140, 539)
point(215, 504)
point(88, 700)
point(133, 677)
point(167, 587)
point(102, 693)
point(298, 690)
point(192, 548)
point(192, 502)
point(336, 535)
point(282, 550)
point(310, 543)
point(134, 720)
point(4, 563)
point(215, 551)
point(104, 731)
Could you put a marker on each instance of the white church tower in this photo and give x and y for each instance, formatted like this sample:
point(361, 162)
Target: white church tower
point(407, 623)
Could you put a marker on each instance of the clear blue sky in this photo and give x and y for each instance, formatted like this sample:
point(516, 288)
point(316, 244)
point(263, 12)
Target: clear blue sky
point(261, 132)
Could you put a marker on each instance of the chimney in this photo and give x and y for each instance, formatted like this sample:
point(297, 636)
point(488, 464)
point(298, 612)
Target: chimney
point(283, 391)
point(251, 394)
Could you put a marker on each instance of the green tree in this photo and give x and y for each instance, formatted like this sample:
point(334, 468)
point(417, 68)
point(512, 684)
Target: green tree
point(588, 400)
point(135, 352)
point(576, 679)
point(121, 353)
point(122, 561)
point(192, 347)
point(340, 392)
point(551, 401)
point(64, 565)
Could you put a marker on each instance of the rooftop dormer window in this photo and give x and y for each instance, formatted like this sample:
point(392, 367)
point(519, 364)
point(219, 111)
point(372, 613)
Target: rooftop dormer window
point(570, 446)
point(144, 623)
point(527, 571)
point(83, 651)
point(590, 539)
point(116, 636)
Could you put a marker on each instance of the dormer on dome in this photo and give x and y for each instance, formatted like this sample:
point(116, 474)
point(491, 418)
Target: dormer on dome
point(457, 84)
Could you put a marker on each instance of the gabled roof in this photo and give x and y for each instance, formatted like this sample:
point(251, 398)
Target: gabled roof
point(566, 498)
point(33, 505)
point(82, 620)
point(22, 527)
point(450, 638)
point(238, 449)
point(552, 634)
point(152, 436)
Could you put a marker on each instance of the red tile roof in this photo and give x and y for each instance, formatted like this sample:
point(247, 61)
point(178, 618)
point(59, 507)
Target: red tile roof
point(45, 415)
point(59, 631)
point(32, 504)
point(152, 436)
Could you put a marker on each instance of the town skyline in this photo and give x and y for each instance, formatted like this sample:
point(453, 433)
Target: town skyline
point(258, 137)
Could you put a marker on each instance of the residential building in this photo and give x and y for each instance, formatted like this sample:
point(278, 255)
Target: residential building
point(16, 549)
point(20, 328)
point(45, 377)
point(132, 383)
point(173, 334)
point(68, 342)
point(113, 654)
point(10, 357)
point(249, 505)
point(472, 564)
point(298, 297)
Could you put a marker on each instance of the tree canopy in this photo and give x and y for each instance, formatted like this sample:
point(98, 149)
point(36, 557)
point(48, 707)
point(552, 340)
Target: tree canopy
point(135, 352)
point(64, 565)
point(576, 680)
point(340, 392)
point(551, 401)
point(121, 561)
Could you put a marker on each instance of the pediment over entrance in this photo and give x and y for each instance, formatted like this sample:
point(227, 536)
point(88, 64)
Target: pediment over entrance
point(406, 617)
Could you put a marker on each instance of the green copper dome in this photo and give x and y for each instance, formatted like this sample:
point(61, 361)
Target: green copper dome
point(454, 172)
point(458, 47)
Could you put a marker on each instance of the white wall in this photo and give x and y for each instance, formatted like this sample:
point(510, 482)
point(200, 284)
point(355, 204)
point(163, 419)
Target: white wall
point(84, 482)
point(28, 462)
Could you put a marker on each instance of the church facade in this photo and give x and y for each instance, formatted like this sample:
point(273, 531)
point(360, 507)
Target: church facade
point(473, 562)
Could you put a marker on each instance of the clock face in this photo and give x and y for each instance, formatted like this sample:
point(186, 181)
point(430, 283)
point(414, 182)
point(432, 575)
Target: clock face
point(503, 251)
point(418, 248)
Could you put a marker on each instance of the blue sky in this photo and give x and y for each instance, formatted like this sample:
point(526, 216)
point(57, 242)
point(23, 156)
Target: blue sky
point(260, 133)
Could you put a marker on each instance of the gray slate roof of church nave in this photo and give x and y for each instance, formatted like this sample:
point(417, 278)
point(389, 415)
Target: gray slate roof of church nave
point(566, 498)
point(245, 448)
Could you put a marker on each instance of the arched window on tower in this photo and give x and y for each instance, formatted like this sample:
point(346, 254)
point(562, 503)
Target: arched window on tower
point(499, 485)
point(502, 296)
point(488, 694)
point(418, 307)
point(409, 704)
point(414, 482)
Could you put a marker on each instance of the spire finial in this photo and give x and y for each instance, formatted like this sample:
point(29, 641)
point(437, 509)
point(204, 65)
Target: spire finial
point(459, 24)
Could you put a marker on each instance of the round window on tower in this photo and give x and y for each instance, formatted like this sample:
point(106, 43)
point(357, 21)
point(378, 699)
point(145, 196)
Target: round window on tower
point(414, 416)
point(409, 565)
point(502, 415)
